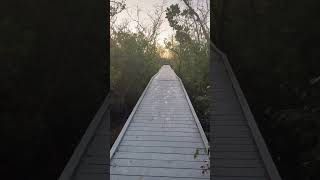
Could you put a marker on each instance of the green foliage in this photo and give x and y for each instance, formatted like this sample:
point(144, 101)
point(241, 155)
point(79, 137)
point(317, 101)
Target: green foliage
point(191, 61)
point(134, 59)
point(196, 153)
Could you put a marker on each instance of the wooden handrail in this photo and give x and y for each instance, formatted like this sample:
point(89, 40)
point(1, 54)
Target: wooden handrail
point(124, 128)
point(196, 119)
point(259, 141)
point(80, 150)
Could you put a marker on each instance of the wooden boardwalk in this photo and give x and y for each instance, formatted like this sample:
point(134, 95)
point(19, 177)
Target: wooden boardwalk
point(161, 136)
point(239, 151)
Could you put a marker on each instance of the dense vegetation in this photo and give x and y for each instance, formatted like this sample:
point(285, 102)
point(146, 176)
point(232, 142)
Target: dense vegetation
point(133, 61)
point(136, 56)
point(191, 57)
point(54, 77)
point(274, 48)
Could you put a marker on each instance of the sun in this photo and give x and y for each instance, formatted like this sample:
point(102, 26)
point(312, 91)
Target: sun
point(166, 54)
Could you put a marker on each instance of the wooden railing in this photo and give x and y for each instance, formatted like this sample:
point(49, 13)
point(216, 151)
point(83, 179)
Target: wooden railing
point(259, 141)
point(101, 115)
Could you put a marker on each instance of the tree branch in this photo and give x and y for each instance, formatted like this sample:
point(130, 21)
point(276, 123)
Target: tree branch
point(206, 34)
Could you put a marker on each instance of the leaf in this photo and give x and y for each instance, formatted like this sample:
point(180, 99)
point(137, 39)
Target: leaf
point(196, 153)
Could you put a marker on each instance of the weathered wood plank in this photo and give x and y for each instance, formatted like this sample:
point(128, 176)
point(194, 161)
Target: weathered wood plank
point(167, 129)
point(155, 118)
point(227, 123)
point(167, 150)
point(163, 138)
point(235, 148)
point(249, 172)
point(163, 122)
point(232, 141)
point(94, 159)
point(126, 177)
point(235, 155)
point(232, 128)
point(180, 116)
point(157, 163)
point(237, 178)
point(164, 125)
point(164, 113)
point(163, 144)
point(151, 133)
point(158, 156)
point(228, 117)
point(160, 172)
point(233, 163)
point(230, 133)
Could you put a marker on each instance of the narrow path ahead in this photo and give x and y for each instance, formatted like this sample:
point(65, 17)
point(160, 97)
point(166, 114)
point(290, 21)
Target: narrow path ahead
point(163, 134)
point(162, 138)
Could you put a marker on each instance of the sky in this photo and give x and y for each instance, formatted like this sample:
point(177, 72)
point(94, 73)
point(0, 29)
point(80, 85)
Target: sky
point(147, 7)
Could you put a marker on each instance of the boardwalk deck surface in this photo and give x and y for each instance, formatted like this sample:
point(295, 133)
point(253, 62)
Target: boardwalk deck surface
point(238, 151)
point(163, 133)
point(161, 136)
point(90, 157)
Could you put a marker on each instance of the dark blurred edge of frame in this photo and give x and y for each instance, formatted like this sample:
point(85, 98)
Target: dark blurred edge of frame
point(52, 87)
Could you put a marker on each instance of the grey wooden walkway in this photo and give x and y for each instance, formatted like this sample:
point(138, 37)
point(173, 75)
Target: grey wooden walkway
point(239, 151)
point(161, 136)
point(89, 159)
